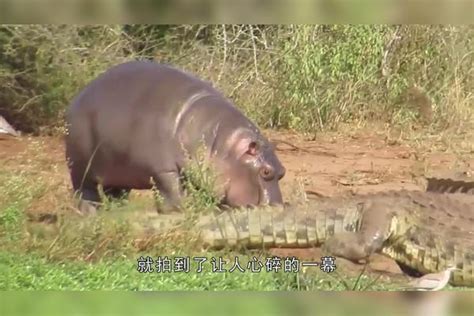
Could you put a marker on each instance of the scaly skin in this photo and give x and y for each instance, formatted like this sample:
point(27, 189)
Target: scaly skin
point(425, 231)
point(441, 185)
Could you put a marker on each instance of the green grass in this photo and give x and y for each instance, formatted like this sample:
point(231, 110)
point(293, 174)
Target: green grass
point(236, 303)
point(101, 252)
point(136, 304)
point(24, 272)
point(33, 272)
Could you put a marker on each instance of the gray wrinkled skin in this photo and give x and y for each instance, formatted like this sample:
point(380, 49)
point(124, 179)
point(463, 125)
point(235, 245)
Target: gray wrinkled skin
point(136, 122)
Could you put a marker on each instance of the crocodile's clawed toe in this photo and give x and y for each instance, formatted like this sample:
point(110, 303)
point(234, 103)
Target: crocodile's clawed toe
point(346, 245)
point(87, 207)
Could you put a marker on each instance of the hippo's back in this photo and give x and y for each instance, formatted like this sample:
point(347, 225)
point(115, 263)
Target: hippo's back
point(129, 111)
point(138, 84)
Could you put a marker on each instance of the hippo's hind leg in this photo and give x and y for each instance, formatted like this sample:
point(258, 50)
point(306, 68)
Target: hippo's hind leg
point(88, 199)
point(85, 191)
point(170, 189)
point(117, 193)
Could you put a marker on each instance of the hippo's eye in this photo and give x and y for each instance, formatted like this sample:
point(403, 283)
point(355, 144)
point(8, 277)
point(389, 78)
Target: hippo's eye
point(267, 173)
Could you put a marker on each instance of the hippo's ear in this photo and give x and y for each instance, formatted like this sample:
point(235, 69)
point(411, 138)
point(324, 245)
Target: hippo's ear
point(246, 146)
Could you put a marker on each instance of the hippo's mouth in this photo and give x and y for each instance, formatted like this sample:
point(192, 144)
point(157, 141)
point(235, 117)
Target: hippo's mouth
point(260, 198)
point(263, 197)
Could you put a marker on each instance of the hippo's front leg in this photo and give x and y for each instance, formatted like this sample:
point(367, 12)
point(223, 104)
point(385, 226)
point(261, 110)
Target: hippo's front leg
point(169, 186)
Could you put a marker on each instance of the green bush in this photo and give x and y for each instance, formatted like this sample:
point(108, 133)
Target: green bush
point(326, 69)
point(42, 67)
point(305, 77)
point(344, 73)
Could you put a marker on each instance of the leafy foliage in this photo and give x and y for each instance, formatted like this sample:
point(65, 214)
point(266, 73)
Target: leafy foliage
point(304, 77)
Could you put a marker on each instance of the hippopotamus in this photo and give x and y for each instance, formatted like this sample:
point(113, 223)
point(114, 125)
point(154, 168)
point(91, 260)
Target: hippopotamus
point(136, 125)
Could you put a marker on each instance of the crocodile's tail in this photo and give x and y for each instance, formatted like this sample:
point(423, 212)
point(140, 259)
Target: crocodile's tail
point(276, 227)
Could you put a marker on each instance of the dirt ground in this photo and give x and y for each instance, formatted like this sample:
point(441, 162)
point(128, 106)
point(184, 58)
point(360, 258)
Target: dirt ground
point(332, 164)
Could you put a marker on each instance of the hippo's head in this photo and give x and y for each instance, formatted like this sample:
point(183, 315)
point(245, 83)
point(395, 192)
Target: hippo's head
point(251, 171)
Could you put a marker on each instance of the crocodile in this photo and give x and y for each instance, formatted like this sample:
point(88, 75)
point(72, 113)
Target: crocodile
point(424, 231)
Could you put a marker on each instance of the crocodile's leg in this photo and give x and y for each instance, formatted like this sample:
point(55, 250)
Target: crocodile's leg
point(373, 232)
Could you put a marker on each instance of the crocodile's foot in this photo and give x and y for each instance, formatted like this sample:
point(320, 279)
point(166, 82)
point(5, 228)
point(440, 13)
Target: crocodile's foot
point(347, 245)
point(86, 207)
point(374, 230)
